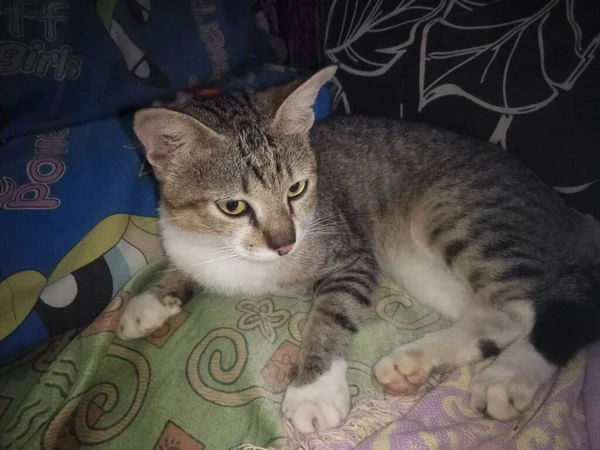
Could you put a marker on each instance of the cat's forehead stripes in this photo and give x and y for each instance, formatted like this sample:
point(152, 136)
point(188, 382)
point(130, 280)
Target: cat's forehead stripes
point(237, 115)
point(261, 161)
point(261, 171)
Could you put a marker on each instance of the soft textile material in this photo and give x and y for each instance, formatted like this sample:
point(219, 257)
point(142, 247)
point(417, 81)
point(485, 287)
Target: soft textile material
point(591, 394)
point(67, 197)
point(214, 376)
point(74, 205)
point(443, 419)
point(68, 62)
point(522, 74)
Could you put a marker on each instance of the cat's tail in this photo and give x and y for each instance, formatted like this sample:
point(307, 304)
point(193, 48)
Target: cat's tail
point(568, 313)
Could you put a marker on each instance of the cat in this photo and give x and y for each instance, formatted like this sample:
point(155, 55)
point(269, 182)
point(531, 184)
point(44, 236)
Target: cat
point(257, 199)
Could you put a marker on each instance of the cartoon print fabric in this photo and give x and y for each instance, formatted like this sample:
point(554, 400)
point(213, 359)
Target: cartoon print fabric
point(65, 62)
point(66, 201)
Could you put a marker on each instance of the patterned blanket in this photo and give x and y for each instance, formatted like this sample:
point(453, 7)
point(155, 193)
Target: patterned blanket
point(213, 377)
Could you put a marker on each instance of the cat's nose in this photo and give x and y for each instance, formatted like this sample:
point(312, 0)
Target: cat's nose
point(285, 249)
point(282, 240)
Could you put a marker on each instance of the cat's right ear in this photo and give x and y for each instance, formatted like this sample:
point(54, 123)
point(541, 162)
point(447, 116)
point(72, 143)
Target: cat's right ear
point(163, 132)
point(294, 102)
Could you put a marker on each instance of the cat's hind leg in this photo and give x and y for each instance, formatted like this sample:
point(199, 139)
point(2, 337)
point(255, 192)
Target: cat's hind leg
point(481, 332)
point(150, 310)
point(567, 318)
point(506, 388)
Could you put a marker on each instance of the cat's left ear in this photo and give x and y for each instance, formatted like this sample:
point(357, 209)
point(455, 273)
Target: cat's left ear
point(164, 132)
point(294, 114)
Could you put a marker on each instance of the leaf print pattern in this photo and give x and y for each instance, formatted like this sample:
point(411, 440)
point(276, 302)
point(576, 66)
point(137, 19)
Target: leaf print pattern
point(354, 46)
point(520, 74)
point(484, 70)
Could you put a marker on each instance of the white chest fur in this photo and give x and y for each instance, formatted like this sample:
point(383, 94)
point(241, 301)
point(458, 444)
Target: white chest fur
point(198, 256)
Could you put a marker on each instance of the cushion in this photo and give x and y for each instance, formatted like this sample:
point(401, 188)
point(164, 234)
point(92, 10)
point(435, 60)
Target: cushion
point(68, 63)
point(521, 74)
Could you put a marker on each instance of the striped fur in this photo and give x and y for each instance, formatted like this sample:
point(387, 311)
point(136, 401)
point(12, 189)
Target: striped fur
point(465, 227)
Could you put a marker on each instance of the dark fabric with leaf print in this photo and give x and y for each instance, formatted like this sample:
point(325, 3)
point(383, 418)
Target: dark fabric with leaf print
point(523, 74)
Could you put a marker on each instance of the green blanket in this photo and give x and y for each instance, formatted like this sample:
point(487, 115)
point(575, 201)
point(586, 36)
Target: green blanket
point(213, 377)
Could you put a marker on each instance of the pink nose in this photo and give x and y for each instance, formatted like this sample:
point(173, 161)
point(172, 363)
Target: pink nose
point(285, 250)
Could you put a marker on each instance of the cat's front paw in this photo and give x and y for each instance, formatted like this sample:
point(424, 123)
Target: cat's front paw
point(145, 313)
point(320, 405)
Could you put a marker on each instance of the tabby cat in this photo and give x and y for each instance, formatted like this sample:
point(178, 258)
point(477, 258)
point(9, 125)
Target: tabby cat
point(257, 200)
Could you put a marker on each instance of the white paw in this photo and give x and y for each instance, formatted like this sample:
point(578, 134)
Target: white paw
point(144, 314)
point(402, 371)
point(503, 392)
point(320, 405)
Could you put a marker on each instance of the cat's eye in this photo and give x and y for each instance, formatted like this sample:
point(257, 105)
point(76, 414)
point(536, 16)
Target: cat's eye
point(233, 207)
point(296, 189)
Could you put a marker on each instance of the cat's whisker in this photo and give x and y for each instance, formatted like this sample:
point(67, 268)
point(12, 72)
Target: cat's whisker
point(222, 250)
point(220, 258)
point(325, 228)
point(329, 214)
point(328, 223)
point(170, 219)
point(322, 233)
point(318, 230)
point(228, 257)
point(324, 225)
point(325, 219)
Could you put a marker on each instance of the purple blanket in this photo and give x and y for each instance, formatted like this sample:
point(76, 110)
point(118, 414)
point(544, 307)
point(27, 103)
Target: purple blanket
point(591, 395)
point(442, 418)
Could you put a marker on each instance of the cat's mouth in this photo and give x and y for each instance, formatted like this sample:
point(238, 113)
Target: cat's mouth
point(265, 254)
point(271, 250)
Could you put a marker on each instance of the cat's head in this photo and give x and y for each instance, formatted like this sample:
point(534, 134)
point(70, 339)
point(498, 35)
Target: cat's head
point(238, 167)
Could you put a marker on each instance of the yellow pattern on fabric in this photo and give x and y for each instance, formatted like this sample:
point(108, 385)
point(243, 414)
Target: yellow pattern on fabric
point(18, 294)
point(148, 224)
point(224, 376)
point(430, 440)
point(531, 438)
point(382, 442)
point(557, 413)
point(96, 243)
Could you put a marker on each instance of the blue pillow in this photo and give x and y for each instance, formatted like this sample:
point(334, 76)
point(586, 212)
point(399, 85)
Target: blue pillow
point(68, 63)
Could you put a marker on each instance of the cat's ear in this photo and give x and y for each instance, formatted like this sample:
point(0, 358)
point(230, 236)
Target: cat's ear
point(163, 132)
point(294, 114)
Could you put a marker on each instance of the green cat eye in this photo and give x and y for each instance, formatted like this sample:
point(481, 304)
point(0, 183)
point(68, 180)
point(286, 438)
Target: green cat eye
point(296, 189)
point(233, 207)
